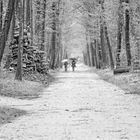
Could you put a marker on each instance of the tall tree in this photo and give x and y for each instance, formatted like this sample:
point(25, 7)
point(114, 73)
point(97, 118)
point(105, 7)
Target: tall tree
point(127, 34)
point(31, 21)
point(92, 54)
point(28, 12)
point(18, 75)
point(1, 14)
point(43, 25)
point(6, 26)
point(109, 47)
point(53, 38)
point(119, 35)
point(102, 35)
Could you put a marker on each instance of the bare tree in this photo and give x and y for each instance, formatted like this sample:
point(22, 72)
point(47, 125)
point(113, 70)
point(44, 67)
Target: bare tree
point(18, 75)
point(1, 14)
point(127, 34)
point(6, 26)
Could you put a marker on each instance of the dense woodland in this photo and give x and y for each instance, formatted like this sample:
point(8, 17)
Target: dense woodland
point(56, 101)
point(36, 34)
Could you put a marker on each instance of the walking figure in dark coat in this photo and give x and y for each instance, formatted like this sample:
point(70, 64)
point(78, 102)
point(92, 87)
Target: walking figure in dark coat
point(73, 65)
point(66, 65)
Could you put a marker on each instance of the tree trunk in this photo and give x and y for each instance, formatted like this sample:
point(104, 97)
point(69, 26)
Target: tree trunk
point(97, 55)
point(1, 14)
point(109, 47)
point(28, 12)
point(38, 22)
point(88, 54)
point(121, 70)
point(31, 22)
point(102, 37)
point(43, 26)
point(13, 25)
point(53, 40)
point(119, 36)
point(127, 34)
point(87, 50)
point(25, 12)
point(84, 58)
point(18, 75)
point(6, 27)
point(58, 33)
point(92, 54)
point(14, 19)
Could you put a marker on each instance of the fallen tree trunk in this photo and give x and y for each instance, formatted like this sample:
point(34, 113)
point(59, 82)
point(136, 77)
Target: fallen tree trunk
point(121, 70)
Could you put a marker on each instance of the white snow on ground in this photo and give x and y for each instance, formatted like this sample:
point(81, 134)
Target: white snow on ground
point(77, 106)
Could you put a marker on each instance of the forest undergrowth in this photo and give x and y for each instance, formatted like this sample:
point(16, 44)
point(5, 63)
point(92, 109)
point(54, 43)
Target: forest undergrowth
point(29, 88)
point(8, 114)
point(129, 82)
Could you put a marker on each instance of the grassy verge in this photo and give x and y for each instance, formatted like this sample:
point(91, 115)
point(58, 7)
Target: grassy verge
point(130, 82)
point(9, 114)
point(22, 90)
point(29, 88)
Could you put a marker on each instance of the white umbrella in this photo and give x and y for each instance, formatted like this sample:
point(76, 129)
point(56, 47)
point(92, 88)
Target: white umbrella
point(64, 60)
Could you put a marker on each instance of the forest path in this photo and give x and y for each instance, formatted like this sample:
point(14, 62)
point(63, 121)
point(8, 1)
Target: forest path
point(77, 106)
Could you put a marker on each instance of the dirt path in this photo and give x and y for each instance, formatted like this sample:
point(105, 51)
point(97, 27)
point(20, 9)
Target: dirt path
point(78, 106)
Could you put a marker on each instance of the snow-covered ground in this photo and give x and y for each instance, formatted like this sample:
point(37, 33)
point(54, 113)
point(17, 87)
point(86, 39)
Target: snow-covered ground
point(77, 106)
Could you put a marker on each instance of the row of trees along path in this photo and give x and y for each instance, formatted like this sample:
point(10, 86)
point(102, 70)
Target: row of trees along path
point(36, 35)
point(33, 33)
point(106, 48)
point(109, 30)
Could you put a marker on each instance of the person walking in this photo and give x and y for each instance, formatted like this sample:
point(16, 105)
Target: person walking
point(66, 65)
point(73, 65)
